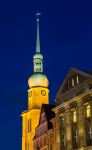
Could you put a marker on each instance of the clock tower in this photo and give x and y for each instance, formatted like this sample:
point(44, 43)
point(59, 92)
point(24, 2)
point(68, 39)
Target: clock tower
point(38, 94)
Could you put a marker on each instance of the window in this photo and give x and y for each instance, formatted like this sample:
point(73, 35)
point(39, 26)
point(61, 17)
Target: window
point(29, 125)
point(72, 82)
point(74, 116)
point(88, 131)
point(68, 86)
point(63, 141)
point(74, 135)
point(88, 111)
point(28, 146)
point(38, 63)
point(62, 131)
point(38, 148)
point(77, 79)
point(88, 125)
point(74, 129)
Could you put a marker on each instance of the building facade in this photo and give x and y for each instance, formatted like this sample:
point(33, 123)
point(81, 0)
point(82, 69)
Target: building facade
point(38, 94)
point(73, 113)
point(43, 139)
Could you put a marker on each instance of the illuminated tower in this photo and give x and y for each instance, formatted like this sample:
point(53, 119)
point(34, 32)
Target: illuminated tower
point(38, 94)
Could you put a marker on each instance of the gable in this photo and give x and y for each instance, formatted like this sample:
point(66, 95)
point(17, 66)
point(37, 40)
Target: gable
point(42, 118)
point(73, 78)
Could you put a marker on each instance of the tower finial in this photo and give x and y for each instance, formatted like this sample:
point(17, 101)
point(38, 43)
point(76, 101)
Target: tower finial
point(38, 36)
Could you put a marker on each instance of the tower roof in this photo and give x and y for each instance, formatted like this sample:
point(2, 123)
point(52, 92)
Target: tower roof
point(38, 78)
point(38, 35)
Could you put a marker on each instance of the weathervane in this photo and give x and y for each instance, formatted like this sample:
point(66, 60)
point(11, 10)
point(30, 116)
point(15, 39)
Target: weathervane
point(38, 14)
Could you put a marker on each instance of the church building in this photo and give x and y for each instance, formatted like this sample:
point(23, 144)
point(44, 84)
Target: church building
point(38, 94)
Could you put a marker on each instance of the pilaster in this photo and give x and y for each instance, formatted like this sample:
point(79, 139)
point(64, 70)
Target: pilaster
point(81, 125)
point(68, 130)
point(57, 132)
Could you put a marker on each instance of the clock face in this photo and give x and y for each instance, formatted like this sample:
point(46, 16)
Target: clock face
point(43, 92)
point(30, 93)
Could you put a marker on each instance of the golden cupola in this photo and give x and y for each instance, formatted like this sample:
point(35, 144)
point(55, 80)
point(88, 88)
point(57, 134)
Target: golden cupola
point(38, 79)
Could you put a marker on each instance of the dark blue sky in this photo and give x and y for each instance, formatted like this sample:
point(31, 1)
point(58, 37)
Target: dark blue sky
point(66, 41)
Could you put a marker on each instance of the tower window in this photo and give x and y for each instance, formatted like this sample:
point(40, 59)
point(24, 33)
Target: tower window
point(29, 125)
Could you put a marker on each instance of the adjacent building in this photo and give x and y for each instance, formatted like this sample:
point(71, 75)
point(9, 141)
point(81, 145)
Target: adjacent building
point(43, 139)
point(73, 113)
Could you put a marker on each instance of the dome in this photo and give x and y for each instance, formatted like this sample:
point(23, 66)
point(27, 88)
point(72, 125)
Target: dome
point(38, 55)
point(38, 79)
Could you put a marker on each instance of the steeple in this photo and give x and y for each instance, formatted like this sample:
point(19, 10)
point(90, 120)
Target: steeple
point(38, 58)
point(38, 78)
point(38, 94)
point(38, 36)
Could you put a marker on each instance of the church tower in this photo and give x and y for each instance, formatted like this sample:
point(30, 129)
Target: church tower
point(38, 94)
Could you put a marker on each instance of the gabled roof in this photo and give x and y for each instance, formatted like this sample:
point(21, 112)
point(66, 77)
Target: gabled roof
point(73, 71)
point(48, 114)
point(47, 109)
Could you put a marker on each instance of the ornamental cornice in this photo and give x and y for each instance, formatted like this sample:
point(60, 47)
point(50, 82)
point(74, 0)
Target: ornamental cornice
point(76, 99)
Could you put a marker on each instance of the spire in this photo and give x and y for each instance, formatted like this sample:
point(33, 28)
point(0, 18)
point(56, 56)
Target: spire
point(38, 36)
point(38, 58)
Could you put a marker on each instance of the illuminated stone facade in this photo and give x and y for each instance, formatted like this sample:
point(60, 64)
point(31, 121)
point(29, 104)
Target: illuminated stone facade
point(38, 94)
point(30, 118)
point(73, 113)
point(43, 139)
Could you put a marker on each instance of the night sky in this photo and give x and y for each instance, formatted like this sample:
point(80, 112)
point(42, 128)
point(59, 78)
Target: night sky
point(66, 41)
